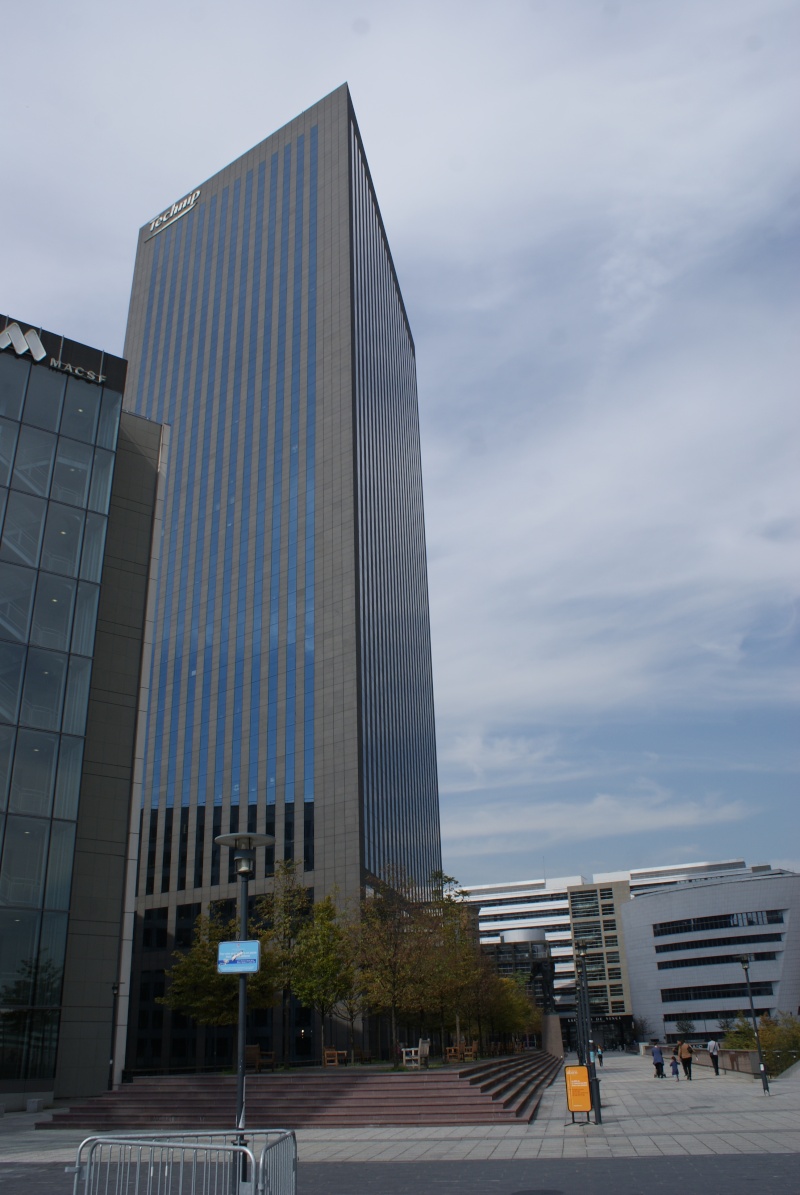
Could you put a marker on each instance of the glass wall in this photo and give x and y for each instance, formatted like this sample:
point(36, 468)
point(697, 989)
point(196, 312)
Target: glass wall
point(57, 441)
point(400, 786)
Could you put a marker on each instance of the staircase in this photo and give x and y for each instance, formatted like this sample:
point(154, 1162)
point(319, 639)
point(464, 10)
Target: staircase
point(498, 1092)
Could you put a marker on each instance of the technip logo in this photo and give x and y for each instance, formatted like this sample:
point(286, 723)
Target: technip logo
point(173, 213)
point(22, 342)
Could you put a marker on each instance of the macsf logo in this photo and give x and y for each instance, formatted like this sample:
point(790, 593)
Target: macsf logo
point(22, 342)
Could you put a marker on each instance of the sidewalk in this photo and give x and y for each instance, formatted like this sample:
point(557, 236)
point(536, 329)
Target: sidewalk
point(642, 1117)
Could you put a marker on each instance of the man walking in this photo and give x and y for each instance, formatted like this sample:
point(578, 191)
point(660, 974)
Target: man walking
point(713, 1053)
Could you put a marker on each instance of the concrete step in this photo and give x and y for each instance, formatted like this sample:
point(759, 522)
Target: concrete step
point(477, 1094)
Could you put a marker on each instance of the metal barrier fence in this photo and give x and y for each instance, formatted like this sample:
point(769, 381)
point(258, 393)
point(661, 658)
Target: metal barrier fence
point(250, 1162)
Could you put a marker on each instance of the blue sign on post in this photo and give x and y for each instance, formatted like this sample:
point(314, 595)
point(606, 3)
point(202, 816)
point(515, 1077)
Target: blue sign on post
point(238, 958)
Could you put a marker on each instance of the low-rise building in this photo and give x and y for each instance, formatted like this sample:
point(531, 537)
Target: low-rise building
point(685, 946)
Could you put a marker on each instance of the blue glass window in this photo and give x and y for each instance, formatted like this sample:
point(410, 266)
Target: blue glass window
point(76, 702)
point(43, 399)
point(43, 691)
point(108, 426)
point(24, 859)
point(12, 662)
point(85, 619)
point(81, 408)
point(8, 442)
point(34, 773)
point(102, 473)
point(59, 865)
point(68, 780)
point(7, 736)
point(93, 545)
point(52, 613)
point(16, 601)
point(71, 475)
point(23, 527)
point(13, 379)
point(63, 535)
point(33, 463)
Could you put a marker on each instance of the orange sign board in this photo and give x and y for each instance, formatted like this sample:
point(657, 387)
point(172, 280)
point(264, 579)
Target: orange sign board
point(579, 1096)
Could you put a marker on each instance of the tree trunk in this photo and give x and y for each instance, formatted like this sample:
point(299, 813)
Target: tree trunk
point(285, 1025)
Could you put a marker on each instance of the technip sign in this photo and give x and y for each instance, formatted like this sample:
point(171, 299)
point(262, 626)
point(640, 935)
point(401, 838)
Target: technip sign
point(173, 213)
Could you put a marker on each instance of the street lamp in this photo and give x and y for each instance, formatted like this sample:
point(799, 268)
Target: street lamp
point(745, 961)
point(585, 1042)
point(243, 847)
point(114, 999)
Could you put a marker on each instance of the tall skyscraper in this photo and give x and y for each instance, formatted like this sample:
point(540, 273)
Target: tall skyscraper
point(289, 685)
point(77, 508)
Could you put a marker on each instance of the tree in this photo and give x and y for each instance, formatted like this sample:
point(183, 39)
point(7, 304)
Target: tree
point(780, 1039)
point(740, 1035)
point(388, 952)
point(195, 987)
point(353, 1002)
point(684, 1025)
point(323, 971)
point(448, 954)
point(642, 1029)
point(284, 911)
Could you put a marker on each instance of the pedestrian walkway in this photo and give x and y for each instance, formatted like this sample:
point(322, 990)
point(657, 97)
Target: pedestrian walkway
point(642, 1117)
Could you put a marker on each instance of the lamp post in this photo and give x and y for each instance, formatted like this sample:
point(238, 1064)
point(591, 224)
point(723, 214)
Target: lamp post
point(114, 999)
point(585, 1041)
point(745, 961)
point(244, 856)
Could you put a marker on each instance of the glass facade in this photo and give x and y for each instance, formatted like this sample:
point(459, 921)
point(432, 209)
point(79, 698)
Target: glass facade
point(398, 743)
point(58, 436)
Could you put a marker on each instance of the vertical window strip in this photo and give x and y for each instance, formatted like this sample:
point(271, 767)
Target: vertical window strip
point(240, 509)
point(166, 595)
point(290, 681)
point(398, 751)
point(178, 500)
point(194, 481)
point(261, 486)
point(163, 397)
point(219, 623)
point(206, 552)
point(310, 525)
point(277, 487)
point(225, 739)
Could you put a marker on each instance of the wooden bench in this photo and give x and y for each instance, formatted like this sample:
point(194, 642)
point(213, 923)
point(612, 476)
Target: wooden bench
point(416, 1056)
point(255, 1058)
point(334, 1057)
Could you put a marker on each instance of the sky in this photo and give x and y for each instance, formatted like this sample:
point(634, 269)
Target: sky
point(593, 212)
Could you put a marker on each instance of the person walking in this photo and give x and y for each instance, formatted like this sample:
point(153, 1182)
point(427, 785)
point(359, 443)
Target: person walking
point(713, 1053)
point(600, 1057)
point(685, 1052)
point(673, 1066)
point(658, 1062)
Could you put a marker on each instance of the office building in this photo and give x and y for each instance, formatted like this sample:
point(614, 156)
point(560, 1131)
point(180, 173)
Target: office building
point(685, 944)
point(77, 509)
point(289, 686)
point(574, 912)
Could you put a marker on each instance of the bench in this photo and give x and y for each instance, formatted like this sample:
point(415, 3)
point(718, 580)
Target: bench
point(255, 1058)
point(334, 1057)
point(416, 1056)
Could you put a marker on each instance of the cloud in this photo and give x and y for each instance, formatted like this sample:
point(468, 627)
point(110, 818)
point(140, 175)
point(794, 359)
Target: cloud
point(508, 829)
